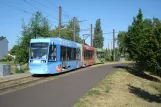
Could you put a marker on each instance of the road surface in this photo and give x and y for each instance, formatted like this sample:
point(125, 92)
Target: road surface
point(61, 92)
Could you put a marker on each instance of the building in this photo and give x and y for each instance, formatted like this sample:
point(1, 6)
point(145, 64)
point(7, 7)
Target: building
point(3, 47)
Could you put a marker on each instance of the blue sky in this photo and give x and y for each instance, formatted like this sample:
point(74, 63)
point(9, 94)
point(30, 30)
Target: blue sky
point(114, 14)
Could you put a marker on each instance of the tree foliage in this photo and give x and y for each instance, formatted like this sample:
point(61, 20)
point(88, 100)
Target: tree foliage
point(143, 43)
point(121, 42)
point(14, 50)
point(38, 26)
point(98, 35)
point(107, 55)
point(66, 31)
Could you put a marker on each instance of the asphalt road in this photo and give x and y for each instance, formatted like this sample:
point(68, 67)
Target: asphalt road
point(62, 92)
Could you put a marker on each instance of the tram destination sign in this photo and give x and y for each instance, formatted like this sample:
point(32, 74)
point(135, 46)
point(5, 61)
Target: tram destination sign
point(39, 45)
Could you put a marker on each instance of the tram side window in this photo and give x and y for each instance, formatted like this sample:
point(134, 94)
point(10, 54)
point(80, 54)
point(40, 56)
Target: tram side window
point(91, 54)
point(103, 54)
point(88, 52)
point(63, 53)
point(73, 54)
point(85, 55)
point(97, 55)
point(69, 51)
point(52, 53)
point(100, 54)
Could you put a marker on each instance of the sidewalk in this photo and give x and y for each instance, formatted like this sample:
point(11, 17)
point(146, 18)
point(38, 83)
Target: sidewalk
point(21, 75)
point(15, 76)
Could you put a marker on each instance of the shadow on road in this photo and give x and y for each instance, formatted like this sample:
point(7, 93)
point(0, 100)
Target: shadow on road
point(135, 71)
point(144, 94)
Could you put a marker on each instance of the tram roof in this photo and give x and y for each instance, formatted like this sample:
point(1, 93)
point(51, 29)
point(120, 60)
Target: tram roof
point(100, 50)
point(87, 47)
point(57, 41)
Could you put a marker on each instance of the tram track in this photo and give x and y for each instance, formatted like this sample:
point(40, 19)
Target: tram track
point(24, 82)
point(12, 81)
point(19, 83)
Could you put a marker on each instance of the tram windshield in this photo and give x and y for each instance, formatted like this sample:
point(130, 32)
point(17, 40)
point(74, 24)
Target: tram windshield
point(100, 54)
point(39, 50)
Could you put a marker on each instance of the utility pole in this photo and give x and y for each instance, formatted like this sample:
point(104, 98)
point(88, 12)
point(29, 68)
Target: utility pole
point(108, 46)
point(35, 33)
point(91, 35)
point(74, 29)
point(113, 44)
point(60, 18)
point(109, 52)
point(111, 47)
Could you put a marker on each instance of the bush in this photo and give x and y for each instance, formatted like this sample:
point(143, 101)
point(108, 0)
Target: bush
point(19, 70)
point(7, 58)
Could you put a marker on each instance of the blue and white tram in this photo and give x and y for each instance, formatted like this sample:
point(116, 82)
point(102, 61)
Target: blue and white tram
point(54, 55)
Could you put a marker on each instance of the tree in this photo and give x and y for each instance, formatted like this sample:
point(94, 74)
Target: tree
point(14, 50)
point(152, 32)
point(38, 26)
point(121, 42)
point(143, 43)
point(66, 31)
point(98, 36)
point(134, 39)
point(107, 55)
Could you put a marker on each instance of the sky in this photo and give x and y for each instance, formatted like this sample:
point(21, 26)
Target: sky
point(114, 14)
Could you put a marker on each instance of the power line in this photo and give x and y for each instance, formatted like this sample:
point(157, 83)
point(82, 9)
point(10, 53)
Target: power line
point(44, 5)
point(108, 39)
point(19, 9)
point(110, 32)
point(65, 13)
point(87, 29)
point(58, 7)
point(25, 11)
point(39, 9)
point(52, 3)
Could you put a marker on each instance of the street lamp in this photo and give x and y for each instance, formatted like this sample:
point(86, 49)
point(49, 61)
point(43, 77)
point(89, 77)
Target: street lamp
point(60, 30)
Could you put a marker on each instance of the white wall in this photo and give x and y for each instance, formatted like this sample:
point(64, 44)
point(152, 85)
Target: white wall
point(3, 48)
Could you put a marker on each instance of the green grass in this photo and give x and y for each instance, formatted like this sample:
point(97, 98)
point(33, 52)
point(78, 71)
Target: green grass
point(93, 92)
point(20, 71)
point(14, 70)
point(7, 62)
point(157, 87)
point(124, 89)
point(107, 90)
